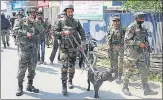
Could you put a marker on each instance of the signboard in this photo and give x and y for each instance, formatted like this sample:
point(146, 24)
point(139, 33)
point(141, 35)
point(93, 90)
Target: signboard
point(63, 4)
point(116, 3)
point(43, 3)
point(15, 5)
point(89, 10)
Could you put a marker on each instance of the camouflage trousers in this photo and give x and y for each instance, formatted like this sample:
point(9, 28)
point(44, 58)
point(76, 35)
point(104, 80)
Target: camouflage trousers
point(130, 61)
point(68, 58)
point(47, 38)
point(116, 59)
point(5, 36)
point(27, 60)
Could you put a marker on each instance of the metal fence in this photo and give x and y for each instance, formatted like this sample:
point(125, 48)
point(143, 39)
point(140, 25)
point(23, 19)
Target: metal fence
point(153, 22)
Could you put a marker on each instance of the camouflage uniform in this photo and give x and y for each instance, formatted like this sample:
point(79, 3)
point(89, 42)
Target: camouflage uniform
point(56, 43)
point(68, 52)
point(116, 50)
point(47, 32)
point(5, 30)
point(41, 37)
point(5, 37)
point(27, 53)
point(18, 18)
point(134, 55)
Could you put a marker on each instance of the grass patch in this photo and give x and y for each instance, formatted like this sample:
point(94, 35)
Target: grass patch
point(155, 77)
point(103, 63)
point(151, 76)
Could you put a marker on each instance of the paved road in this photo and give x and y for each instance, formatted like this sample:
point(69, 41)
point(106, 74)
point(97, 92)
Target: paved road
point(47, 79)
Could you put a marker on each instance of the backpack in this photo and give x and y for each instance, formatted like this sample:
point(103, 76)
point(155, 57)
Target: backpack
point(5, 24)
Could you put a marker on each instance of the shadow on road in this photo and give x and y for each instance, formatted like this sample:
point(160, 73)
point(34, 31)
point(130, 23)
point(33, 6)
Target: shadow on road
point(102, 94)
point(140, 86)
point(46, 70)
point(58, 65)
point(46, 95)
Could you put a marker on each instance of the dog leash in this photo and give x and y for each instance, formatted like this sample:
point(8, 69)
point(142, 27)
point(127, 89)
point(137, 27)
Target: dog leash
point(85, 57)
point(88, 64)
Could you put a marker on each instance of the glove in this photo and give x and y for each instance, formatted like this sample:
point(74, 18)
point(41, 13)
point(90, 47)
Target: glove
point(29, 35)
point(142, 45)
point(66, 33)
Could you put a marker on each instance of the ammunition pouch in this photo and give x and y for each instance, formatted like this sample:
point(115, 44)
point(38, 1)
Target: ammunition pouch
point(115, 42)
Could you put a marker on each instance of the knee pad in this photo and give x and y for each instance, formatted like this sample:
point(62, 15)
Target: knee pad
point(64, 70)
point(71, 70)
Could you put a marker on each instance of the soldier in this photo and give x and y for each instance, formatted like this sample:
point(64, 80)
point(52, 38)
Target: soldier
point(115, 41)
point(41, 38)
point(56, 44)
point(28, 50)
point(21, 12)
point(135, 43)
point(68, 47)
point(12, 19)
point(5, 26)
point(19, 17)
point(47, 32)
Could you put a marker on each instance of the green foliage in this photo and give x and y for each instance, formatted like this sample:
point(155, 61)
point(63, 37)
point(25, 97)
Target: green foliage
point(154, 77)
point(103, 63)
point(151, 76)
point(134, 5)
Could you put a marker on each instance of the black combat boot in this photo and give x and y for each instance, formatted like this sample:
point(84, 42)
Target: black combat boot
point(71, 86)
point(31, 88)
point(4, 45)
point(119, 79)
point(148, 91)
point(8, 44)
point(64, 87)
point(20, 89)
point(125, 89)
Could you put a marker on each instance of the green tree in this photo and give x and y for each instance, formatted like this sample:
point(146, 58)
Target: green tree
point(143, 5)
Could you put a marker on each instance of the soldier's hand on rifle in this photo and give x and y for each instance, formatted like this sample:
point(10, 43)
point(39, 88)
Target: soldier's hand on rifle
point(142, 45)
point(29, 35)
point(66, 33)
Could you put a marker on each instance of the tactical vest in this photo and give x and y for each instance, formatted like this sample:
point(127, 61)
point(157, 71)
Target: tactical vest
point(68, 41)
point(116, 36)
point(139, 34)
point(24, 42)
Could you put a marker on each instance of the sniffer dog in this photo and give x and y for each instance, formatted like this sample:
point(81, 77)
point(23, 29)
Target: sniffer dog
point(97, 79)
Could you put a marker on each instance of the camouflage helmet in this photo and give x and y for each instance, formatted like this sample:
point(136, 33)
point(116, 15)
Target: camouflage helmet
point(70, 6)
point(21, 9)
point(116, 17)
point(139, 15)
point(31, 9)
point(39, 13)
